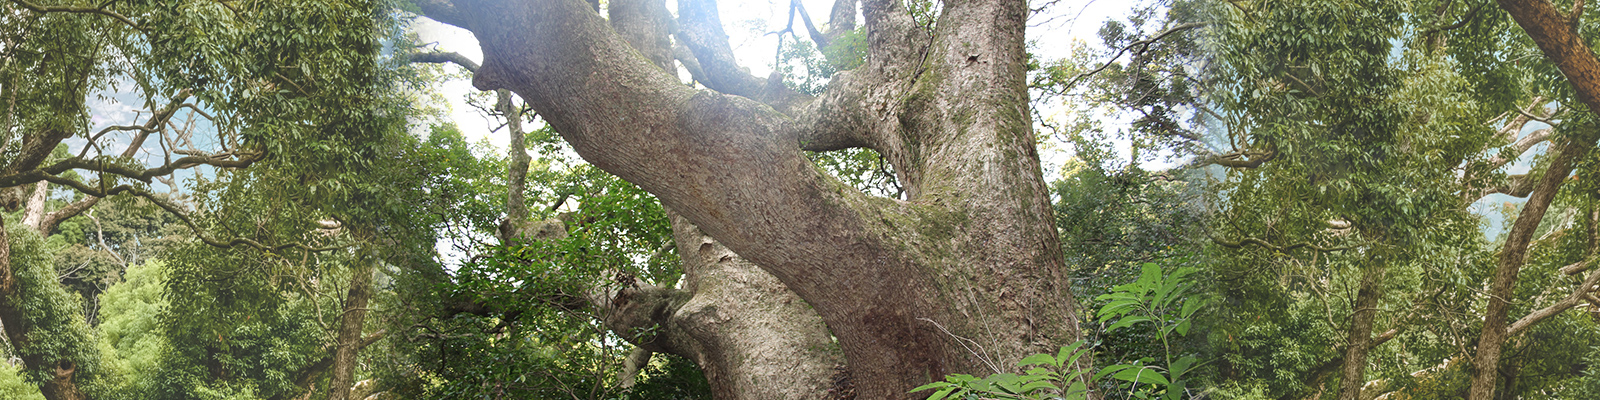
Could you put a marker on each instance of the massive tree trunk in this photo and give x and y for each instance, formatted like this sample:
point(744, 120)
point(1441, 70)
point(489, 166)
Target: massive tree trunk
point(965, 276)
point(752, 337)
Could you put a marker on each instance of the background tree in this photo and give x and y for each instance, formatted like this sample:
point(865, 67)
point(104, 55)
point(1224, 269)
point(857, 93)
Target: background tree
point(221, 86)
point(1372, 147)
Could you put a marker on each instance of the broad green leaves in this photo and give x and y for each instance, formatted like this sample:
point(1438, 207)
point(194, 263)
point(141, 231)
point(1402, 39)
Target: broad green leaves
point(1156, 297)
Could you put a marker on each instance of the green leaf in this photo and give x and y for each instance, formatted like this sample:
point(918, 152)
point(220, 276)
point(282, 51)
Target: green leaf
point(934, 385)
point(1141, 375)
point(1077, 391)
point(1034, 386)
point(1125, 322)
point(1182, 365)
point(1191, 305)
point(1111, 370)
point(1038, 359)
point(1117, 309)
point(1070, 353)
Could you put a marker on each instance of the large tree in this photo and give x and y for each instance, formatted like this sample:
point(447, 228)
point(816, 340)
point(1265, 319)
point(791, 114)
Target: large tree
point(963, 275)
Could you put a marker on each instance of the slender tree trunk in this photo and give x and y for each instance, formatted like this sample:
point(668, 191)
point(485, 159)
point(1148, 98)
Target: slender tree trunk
point(1486, 361)
point(517, 171)
point(1358, 342)
point(351, 324)
point(636, 361)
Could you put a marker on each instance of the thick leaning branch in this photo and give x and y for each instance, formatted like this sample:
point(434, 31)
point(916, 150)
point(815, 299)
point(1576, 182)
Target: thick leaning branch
point(101, 10)
point(1512, 255)
point(53, 219)
point(1579, 295)
point(1558, 38)
point(700, 29)
point(734, 167)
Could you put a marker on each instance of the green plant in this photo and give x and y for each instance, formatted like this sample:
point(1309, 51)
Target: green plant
point(1163, 301)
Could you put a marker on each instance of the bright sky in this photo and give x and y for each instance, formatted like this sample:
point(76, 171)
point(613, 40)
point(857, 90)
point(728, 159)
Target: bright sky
point(748, 23)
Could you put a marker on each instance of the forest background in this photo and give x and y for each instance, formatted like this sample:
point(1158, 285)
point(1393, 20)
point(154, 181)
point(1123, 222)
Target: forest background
point(1307, 199)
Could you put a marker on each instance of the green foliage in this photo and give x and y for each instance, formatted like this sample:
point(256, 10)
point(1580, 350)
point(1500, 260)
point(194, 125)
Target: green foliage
point(57, 331)
point(12, 385)
point(1163, 302)
point(1380, 121)
point(1045, 379)
point(131, 336)
point(539, 341)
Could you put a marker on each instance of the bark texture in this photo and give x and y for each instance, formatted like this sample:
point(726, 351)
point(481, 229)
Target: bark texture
point(966, 276)
point(752, 337)
point(351, 322)
point(1557, 37)
point(1359, 342)
point(1486, 361)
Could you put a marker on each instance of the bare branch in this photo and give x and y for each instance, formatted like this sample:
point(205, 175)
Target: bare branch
point(1578, 295)
point(1238, 159)
point(444, 57)
point(102, 164)
point(54, 218)
point(101, 10)
point(1142, 44)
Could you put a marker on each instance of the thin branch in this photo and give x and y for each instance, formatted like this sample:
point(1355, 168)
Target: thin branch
point(440, 57)
point(1281, 249)
point(1471, 15)
point(79, 10)
point(1578, 295)
point(182, 215)
point(101, 164)
point(1146, 42)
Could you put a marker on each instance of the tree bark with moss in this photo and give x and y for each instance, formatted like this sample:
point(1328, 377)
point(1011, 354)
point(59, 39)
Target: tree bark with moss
point(963, 276)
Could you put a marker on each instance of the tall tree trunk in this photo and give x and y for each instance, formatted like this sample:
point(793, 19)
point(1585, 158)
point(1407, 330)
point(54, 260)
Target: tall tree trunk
point(1486, 362)
point(351, 323)
point(1358, 342)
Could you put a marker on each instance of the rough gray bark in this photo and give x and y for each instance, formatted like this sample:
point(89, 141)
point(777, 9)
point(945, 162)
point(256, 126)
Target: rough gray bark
point(33, 213)
point(517, 174)
point(637, 359)
point(970, 260)
point(752, 337)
